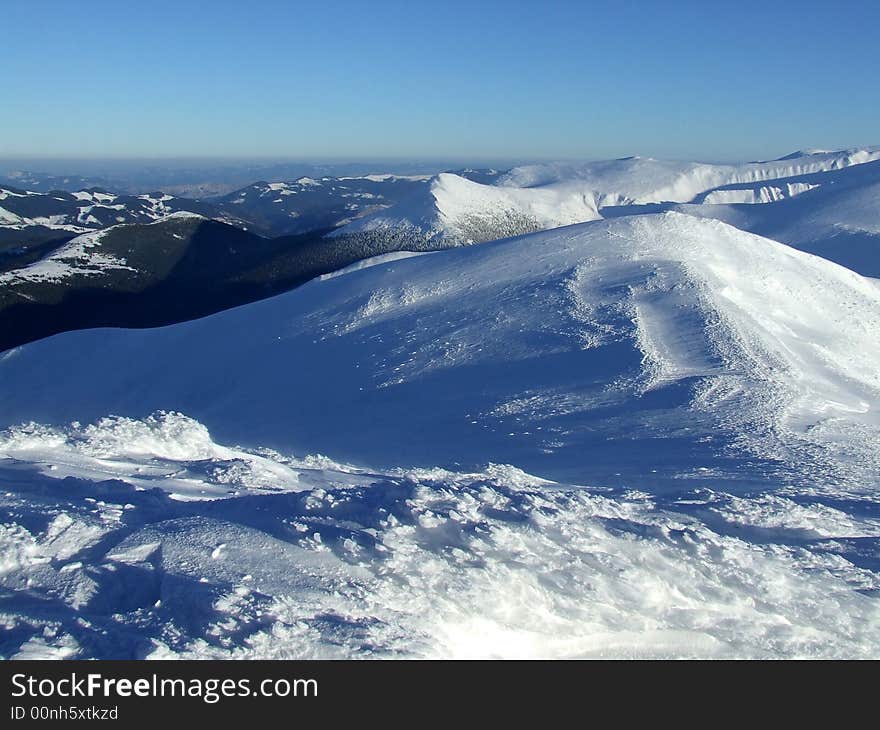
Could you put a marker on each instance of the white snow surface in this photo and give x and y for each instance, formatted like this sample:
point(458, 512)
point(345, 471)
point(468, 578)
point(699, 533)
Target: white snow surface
point(642, 180)
point(466, 212)
point(538, 197)
point(653, 436)
point(4, 193)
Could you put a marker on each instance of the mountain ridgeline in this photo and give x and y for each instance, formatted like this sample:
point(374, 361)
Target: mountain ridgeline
point(92, 258)
point(176, 269)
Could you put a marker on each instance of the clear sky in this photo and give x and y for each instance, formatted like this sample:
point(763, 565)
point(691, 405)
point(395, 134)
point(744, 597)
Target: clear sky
point(482, 79)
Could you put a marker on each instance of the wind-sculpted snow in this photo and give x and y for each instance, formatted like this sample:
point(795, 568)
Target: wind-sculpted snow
point(637, 180)
point(98, 561)
point(758, 194)
point(688, 415)
point(835, 215)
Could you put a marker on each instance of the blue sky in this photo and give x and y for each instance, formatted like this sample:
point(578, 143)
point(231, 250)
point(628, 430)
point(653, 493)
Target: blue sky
point(465, 80)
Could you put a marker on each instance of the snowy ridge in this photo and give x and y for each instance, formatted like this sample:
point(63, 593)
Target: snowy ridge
point(373, 261)
point(184, 214)
point(537, 197)
point(89, 210)
point(838, 219)
point(462, 211)
point(650, 321)
point(762, 194)
point(59, 222)
point(638, 180)
point(80, 221)
point(385, 176)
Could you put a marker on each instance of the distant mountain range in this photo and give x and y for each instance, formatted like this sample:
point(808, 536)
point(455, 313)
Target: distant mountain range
point(29, 213)
point(538, 197)
point(196, 178)
point(26, 215)
point(91, 257)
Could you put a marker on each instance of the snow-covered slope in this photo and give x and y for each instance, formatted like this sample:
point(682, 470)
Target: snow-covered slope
point(706, 403)
point(756, 193)
point(621, 334)
point(455, 210)
point(834, 214)
point(82, 256)
point(637, 180)
point(73, 258)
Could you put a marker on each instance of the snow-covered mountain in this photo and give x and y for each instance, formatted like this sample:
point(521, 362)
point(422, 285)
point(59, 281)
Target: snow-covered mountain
point(268, 208)
point(454, 210)
point(28, 218)
point(638, 180)
point(537, 197)
point(42, 182)
point(836, 215)
point(307, 204)
point(646, 425)
point(172, 269)
point(822, 202)
point(642, 313)
point(698, 406)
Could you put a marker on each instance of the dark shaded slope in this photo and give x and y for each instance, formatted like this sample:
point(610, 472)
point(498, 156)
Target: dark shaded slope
point(174, 270)
point(303, 205)
point(20, 248)
point(177, 269)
